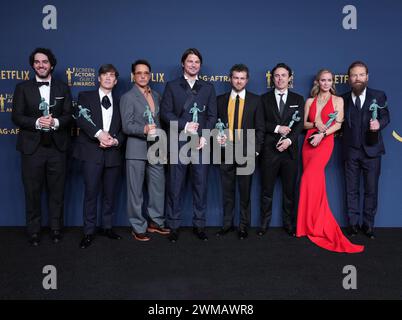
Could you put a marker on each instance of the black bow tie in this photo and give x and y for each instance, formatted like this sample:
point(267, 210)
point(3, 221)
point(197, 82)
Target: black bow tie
point(42, 83)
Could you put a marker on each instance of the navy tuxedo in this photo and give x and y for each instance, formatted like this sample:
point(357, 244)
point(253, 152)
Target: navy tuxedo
point(100, 166)
point(178, 99)
point(361, 157)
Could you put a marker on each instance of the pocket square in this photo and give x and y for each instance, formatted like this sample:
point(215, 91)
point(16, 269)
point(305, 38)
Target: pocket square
point(294, 106)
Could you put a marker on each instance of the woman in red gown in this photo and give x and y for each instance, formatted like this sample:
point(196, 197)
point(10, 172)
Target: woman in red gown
point(314, 218)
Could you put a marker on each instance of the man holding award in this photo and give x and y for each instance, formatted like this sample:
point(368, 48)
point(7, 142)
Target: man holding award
point(366, 115)
point(98, 147)
point(139, 109)
point(188, 104)
point(242, 110)
point(284, 113)
point(42, 110)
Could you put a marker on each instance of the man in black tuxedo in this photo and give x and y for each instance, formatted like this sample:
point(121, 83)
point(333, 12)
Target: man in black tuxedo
point(98, 146)
point(42, 111)
point(363, 147)
point(242, 111)
point(280, 152)
point(179, 98)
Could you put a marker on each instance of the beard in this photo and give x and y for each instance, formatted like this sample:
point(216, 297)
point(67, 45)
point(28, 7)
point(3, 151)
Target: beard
point(358, 87)
point(43, 75)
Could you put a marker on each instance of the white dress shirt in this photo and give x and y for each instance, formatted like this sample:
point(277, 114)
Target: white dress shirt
point(44, 92)
point(362, 97)
point(107, 114)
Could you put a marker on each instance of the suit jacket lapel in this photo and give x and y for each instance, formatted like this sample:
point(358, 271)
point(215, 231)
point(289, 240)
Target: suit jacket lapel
point(96, 109)
point(35, 92)
point(246, 110)
point(275, 106)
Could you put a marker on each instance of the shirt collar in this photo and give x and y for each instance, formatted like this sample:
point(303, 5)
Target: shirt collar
point(185, 77)
point(41, 80)
point(285, 93)
point(102, 94)
point(362, 95)
point(242, 94)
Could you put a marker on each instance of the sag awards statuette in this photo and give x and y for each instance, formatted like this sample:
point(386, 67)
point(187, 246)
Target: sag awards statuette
point(372, 135)
point(295, 118)
point(332, 117)
point(45, 108)
point(221, 127)
point(86, 114)
point(149, 117)
point(194, 110)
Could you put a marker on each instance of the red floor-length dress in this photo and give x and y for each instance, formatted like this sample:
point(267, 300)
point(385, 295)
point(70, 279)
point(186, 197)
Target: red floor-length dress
point(314, 218)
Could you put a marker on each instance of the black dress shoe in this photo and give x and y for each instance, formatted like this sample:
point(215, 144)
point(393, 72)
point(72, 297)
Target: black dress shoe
point(243, 234)
point(261, 232)
point(200, 233)
point(290, 231)
point(86, 241)
point(369, 232)
point(55, 235)
point(34, 239)
point(352, 230)
point(109, 233)
point(224, 231)
point(174, 235)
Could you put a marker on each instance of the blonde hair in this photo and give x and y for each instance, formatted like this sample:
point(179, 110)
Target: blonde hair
point(316, 87)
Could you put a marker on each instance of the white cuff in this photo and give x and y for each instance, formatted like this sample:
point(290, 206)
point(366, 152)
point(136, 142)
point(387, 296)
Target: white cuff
point(276, 129)
point(98, 133)
point(37, 125)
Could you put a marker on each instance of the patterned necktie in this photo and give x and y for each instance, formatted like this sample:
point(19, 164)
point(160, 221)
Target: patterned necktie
point(106, 102)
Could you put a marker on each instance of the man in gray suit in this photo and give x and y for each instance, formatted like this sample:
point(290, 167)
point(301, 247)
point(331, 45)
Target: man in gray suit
point(139, 110)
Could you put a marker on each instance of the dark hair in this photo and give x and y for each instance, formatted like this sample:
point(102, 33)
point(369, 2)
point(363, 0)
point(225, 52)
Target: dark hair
point(105, 68)
point(357, 64)
point(239, 68)
point(140, 61)
point(191, 51)
point(282, 65)
point(47, 52)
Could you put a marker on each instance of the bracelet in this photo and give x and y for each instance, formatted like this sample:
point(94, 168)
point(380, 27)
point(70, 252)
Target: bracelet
point(325, 133)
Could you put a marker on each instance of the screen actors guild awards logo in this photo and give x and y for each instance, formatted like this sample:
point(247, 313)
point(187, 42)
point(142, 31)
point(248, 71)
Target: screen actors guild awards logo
point(80, 77)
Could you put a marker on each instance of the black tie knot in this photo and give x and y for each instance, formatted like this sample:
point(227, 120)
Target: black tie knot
point(42, 83)
point(106, 102)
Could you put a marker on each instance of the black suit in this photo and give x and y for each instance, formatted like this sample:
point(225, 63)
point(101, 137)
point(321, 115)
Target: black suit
point(101, 166)
point(43, 154)
point(284, 164)
point(361, 157)
point(252, 119)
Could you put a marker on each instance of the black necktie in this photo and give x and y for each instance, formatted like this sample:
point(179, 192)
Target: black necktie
point(42, 83)
point(281, 104)
point(236, 116)
point(106, 102)
point(358, 103)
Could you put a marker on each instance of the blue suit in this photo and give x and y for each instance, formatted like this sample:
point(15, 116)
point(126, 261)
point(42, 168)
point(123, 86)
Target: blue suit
point(177, 101)
point(361, 157)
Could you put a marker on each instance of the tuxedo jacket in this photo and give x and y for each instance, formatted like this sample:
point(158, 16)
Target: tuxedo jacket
point(86, 146)
point(354, 132)
point(132, 108)
point(178, 98)
point(272, 118)
point(253, 117)
point(26, 111)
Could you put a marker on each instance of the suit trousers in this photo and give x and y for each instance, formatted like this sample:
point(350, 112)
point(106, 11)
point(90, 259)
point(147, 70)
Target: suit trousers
point(228, 178)
point(356, 164)
point(285, 167)
point(46, 166)
point(138, 172)
point(97, 176)
point(176, 181)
